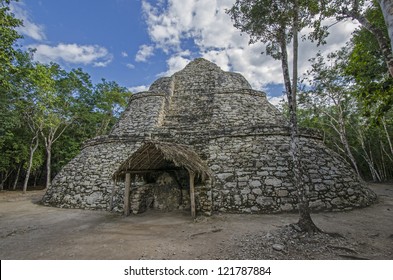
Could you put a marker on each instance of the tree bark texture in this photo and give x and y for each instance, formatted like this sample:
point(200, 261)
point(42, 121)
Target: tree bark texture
point(344, 138)
point(49, 140)
point(33, 148)
point(387, 11)
point(48, 164)
point(387, 136)
point(305, 221)
point(17, 176)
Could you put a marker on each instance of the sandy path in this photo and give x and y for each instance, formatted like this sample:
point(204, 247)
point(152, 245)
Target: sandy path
point(31, 231)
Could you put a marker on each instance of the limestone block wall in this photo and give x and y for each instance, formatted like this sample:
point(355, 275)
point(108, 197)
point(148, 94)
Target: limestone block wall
point(207, 76)
point(243, 108)
point(86, 181)
point(204, 198)
point(142, 115)
point(252, 175)
point(189, 110)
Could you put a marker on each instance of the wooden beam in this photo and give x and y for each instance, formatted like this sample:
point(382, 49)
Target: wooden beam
point(143, 171)
point(192, 193)
point(127, 194)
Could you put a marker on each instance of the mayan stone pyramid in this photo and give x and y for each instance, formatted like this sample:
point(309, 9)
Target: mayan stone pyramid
point(211, 120)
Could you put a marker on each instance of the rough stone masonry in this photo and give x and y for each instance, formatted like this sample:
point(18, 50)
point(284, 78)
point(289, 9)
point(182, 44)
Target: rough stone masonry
point(243, 139)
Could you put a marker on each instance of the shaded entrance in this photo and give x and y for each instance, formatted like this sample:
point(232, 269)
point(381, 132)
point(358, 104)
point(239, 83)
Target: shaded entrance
point(163, 166)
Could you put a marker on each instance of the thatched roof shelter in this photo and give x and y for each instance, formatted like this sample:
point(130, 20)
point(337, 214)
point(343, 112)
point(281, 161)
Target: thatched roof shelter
point(161, 156)
point(155, 156)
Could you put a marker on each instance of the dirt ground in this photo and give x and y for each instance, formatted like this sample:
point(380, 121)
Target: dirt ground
point(31, 231)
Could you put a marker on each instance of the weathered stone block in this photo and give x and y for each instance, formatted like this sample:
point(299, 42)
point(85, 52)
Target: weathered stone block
point(257, 191)
point(255, 184)
point(275, 182)
point(287, 207)
point(318, 205)
point(282, 193)
point(245, 191)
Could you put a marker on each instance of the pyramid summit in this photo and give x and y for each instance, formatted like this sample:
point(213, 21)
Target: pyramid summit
point(207, 123)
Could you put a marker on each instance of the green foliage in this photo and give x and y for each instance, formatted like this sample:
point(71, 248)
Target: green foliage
point(266, 20)
point(8, 37)
point(330, 103)
point(63, 105)
point(110, 101)
point(11, 143)
point(366, 65)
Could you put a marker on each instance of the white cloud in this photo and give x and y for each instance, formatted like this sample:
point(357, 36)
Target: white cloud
point(277, 101)
point(130, 66)
point(144, 53)
point(73, 53)
point(174, 25)
point(124, 54)
point(137, 89)
point(176, 63)
point(162, 27)
point(102, 63)
point(29, 28)
point(68, 53)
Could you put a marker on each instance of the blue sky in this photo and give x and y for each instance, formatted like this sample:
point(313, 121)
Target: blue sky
point(134, 42)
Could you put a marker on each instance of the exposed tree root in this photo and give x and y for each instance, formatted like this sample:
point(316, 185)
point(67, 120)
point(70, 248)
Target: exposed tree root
point(313, 229)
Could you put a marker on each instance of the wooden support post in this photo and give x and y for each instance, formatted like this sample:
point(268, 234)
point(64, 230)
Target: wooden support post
point(192, 193)
point(112, 195)
point(127, 194)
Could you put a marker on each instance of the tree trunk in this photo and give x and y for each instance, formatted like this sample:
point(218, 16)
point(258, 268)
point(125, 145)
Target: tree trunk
point(383, 42)
point(347, 148)
point(368, 159)
point(17, 176)
point(344, 139)
point(33, 148)
point(387, 135)
point(49, 140)
point(295, 46)
point(305, 221)
point(387, 11)
point(382, 169)
point(2, 181)
point(48, 164)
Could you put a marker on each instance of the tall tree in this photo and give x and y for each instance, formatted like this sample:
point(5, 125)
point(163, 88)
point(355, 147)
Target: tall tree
point(110, 101)
point(39, 103)
point(276, 23)
point(50, 99)
point(35, 127)
point(338, 87)
point(8, 37)
point(356, 10)
point(8, 53)
point(330, 91)
point(366, 66)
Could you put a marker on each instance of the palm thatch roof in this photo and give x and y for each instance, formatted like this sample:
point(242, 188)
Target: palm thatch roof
point(161, 156)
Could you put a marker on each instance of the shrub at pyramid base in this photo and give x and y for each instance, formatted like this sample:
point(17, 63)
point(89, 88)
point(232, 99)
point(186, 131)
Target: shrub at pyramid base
point(211, 123)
